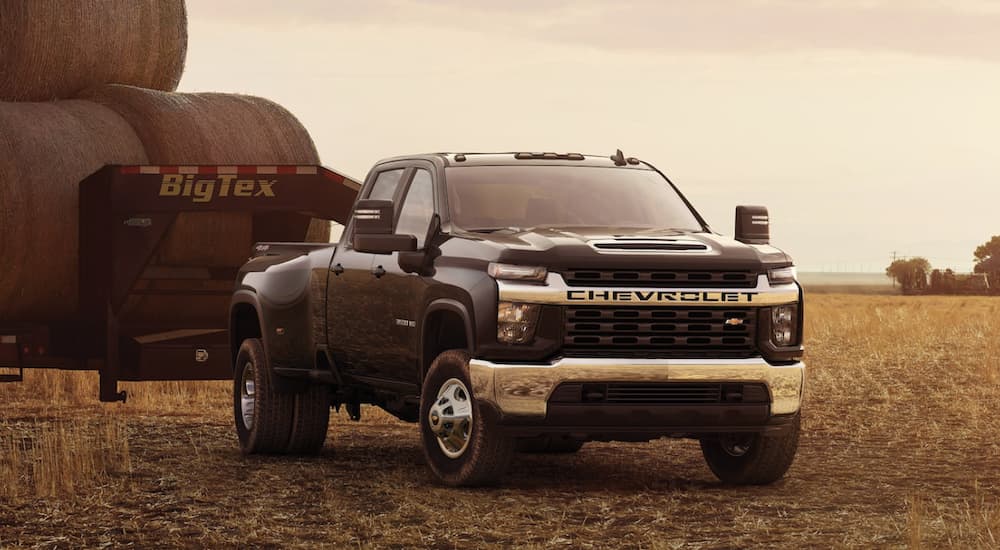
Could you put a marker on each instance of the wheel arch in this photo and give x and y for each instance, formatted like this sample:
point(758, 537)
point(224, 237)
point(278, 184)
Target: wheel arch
point(245, 321)
point(447, 325)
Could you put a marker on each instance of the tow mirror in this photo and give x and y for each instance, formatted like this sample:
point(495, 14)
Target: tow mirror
point(753, 225)
point(373, 229)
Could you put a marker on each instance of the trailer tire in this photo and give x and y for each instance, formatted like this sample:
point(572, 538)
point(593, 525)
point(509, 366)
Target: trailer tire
point(310, 420)
point(548, 445)
point(752, 459)
point(263, 414)
point(477, 451)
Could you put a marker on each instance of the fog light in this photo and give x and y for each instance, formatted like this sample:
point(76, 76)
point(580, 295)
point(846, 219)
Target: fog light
point(516, 322)
point(783, 321)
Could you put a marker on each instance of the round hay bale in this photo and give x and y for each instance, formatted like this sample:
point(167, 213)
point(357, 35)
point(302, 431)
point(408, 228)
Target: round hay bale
point(45, 150)
point(53, 49)
point(214, 128)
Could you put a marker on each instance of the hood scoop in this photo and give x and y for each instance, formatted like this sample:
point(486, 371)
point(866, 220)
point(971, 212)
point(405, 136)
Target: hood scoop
point(637, 244)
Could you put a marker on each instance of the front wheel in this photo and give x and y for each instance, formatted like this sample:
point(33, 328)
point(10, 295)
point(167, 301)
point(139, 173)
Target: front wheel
point(751, 459)
point(463, 446)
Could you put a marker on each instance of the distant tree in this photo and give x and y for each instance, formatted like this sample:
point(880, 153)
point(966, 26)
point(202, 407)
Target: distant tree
point(987, 256)
point(949, 281)
point(937, 281)
point(911, 273)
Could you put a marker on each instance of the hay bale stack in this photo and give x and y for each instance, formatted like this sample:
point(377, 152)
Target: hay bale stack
point(45, 150)
point(213, 128)
point(53, 49)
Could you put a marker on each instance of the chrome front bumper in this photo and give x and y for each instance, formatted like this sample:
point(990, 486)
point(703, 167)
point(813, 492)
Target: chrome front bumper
point(520, 392)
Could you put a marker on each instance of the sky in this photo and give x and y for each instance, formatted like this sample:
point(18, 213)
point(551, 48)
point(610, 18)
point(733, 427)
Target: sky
point(869, 128)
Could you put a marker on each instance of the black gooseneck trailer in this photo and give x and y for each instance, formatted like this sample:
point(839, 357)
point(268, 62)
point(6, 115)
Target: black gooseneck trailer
point(126, 213)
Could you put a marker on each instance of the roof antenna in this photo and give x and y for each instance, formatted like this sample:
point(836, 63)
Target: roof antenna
point(619, 158)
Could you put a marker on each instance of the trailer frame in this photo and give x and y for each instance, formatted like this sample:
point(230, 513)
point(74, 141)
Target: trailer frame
point(125, 214)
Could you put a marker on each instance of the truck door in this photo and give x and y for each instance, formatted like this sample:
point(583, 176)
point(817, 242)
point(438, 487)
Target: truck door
point(352, 306)
point(404, 294)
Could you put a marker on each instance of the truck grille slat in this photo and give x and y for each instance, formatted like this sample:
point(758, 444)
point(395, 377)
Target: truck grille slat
point(668, 393)
point(660, 278)
point(656, 332)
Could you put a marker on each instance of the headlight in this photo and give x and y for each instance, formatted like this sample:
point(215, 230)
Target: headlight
point(782, 275)
point(783, 324)
point(516, 322)
point(510, 272)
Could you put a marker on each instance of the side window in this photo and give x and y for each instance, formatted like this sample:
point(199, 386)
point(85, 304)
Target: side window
point(418, 208)
point(385, 185)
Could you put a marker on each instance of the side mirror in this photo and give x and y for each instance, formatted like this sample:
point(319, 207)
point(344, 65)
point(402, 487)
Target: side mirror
point(422, 261)
point(753, 225)
point(373, 229)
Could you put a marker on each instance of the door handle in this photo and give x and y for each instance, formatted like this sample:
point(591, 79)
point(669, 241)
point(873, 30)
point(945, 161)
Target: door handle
point(337, 269)
point(378, 272)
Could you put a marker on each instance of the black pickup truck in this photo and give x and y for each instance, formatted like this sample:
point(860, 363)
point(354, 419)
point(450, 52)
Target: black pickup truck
point(525, 302)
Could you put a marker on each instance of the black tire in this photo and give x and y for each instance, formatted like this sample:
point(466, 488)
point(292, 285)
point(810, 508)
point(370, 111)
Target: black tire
point(270, 422)
point(310, 420)
point(487, 452)
point(764, 459)
point(548, 445)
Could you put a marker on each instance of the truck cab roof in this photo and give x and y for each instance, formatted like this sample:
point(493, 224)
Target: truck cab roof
point(523, 158)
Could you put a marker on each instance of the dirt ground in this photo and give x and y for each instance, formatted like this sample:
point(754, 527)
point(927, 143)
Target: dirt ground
point(899, 449)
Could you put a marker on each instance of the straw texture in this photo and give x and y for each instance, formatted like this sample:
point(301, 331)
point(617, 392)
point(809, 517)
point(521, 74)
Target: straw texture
point(45, 150)
point(53, 49)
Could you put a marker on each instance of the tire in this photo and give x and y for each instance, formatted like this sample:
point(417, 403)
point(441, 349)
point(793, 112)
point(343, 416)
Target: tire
point(548, 445)
point(310, 420)
point(478, 453)
point(752, 459)
point(265, 425)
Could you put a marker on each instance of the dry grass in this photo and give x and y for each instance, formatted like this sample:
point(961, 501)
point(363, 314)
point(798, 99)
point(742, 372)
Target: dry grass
point(900, 449)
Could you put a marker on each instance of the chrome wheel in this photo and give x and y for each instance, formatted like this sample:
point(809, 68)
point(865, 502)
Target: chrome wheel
point(736, 444)
point(247, 396)
point(451, 418)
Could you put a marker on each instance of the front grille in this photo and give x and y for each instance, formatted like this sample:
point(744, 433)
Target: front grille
point(660, 278)
point(666, 393)
point(653, 332)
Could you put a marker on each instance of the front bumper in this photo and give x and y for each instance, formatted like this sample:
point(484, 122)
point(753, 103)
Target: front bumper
point(519, 393)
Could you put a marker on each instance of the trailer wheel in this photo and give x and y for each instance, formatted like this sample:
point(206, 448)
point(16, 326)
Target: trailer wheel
point(751, 459)
point(462, 442)
point(263, 415)
point(310, 420)
point(548, 445)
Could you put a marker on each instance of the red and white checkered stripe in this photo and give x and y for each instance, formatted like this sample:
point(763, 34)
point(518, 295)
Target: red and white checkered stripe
point(243, 170)
point(224, 170)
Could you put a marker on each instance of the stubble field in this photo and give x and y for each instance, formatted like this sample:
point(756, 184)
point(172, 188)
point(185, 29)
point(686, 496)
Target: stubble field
point(899, 449)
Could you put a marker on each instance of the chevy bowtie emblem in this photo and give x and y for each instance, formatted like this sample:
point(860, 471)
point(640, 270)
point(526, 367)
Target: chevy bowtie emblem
point(733, 321)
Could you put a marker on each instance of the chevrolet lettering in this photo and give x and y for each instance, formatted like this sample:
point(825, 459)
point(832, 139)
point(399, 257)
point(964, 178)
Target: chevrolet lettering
point(529, 302)
point(656, 296)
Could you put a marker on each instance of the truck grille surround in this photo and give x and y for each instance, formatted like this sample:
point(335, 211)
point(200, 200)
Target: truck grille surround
point(660, 278)
point(653, 333)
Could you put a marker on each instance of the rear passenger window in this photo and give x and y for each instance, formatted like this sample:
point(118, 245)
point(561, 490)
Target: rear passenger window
point(418, 208)
point(384, 188)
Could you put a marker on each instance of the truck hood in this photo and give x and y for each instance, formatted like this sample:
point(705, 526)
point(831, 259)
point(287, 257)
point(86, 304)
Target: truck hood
point(617, 248)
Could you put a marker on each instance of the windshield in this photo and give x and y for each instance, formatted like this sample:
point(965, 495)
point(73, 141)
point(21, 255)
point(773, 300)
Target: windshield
point(485, 198)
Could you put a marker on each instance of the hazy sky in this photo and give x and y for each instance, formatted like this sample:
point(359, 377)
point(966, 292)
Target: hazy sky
point(867, 127)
